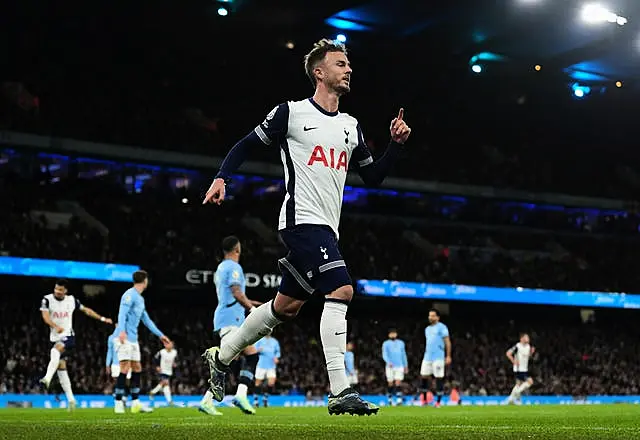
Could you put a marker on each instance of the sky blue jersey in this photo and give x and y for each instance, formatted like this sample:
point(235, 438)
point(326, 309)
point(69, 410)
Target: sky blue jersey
point(229, 311)
point(349, 362)
point(435, 349)
point(268, 348)
point(132, 311)
point(112, 354)
point(394, 353)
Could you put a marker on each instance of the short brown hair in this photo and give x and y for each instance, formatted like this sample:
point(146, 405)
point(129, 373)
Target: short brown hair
point(317, 54)
point(139, 276)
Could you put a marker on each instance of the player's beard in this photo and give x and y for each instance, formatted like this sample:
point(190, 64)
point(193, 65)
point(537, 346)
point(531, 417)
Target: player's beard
point(340, 87)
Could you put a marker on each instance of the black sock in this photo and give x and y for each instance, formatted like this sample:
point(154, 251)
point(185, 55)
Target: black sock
point(440, 388)
point(120, 384)
point(390, 392)
point(424, 388)
point(135, 385)
point(247, 369)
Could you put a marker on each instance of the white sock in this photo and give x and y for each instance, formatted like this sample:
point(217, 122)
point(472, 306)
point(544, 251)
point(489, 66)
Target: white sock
point(135, 402)
point(259, 322)
point(242, 390)
point(207, 399)
point(167, 393)
point(53, 364)
point(523, 387)
point(65, 383)
point(156, 389)
point(514, 393)
point(333, 333)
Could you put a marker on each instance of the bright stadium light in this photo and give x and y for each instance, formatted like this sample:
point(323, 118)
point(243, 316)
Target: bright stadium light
point(476, 68)
point(580, 91)
point(595, 14)
point(341, 38)
point(223, 12)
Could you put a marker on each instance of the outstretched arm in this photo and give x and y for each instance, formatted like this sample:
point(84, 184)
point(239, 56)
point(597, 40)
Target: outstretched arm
point(148, 322)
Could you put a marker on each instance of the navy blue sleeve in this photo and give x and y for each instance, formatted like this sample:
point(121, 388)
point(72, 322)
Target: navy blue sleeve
point(272, 129)
point(374, 172)
point(275, 125)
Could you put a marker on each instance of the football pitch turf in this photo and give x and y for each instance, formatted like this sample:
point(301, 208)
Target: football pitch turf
point(460, 423)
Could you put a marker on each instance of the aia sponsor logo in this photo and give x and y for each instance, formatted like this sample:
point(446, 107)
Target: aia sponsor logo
point(328, 158)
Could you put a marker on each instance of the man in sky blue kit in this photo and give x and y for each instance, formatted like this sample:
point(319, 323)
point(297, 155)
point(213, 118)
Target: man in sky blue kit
point(437, 354)
point(132, 311)
point(229, 315)
point(269, 351)
point(396, 365)
point(317, 144)
point(350, 366)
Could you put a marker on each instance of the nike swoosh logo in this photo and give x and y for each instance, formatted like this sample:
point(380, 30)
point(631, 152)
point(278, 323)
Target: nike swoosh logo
point(338, 334)
point(305, 128)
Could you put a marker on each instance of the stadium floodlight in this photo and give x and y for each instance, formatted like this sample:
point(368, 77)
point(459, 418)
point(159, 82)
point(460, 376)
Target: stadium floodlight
point(341, 38)
point(580, 91)
point(476, 68)
point(223, 12)
point(594, 14)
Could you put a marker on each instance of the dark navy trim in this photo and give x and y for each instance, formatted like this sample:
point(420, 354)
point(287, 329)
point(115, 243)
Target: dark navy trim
point(290, 210)
point(338, 300)
point(321, 110)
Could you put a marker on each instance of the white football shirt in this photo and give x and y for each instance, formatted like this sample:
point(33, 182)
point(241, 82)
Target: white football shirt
point(522, 353)
point(167, 358)
point(316, 148)
point(61, 312)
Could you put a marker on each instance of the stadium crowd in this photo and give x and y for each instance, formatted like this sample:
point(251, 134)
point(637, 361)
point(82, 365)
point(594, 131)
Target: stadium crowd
point(574, 358)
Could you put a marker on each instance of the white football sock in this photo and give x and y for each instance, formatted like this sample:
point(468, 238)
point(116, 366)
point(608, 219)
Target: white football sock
point(65, 383)
point(242, 390)
point(259, 323)
point(523, 387)
point(514, 393)
point(156, 389)
point(53, 364)
point(207, 399)
point(333, 333)
point(167, 393)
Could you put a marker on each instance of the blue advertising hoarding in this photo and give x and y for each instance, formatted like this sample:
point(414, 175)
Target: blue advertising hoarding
point(36, 267)
point(104, 401)
point(518, 295)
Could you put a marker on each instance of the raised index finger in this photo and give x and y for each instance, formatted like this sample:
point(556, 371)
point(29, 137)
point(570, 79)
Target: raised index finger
point(400, 114)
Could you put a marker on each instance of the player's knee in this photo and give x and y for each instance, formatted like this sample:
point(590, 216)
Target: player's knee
point(285, 307)
point(252, 361)
point(344, 293)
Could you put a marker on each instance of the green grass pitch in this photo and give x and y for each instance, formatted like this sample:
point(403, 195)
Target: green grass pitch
point(460, 423)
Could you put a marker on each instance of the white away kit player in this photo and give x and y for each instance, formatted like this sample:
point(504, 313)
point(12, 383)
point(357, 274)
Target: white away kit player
point(316, 144)
point(519, 356)
point(57, 312)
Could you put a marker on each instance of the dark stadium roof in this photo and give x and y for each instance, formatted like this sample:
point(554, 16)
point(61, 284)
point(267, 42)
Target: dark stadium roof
point(522, 33)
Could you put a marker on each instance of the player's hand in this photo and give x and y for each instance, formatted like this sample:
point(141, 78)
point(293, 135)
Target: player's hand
point(447, 360)
point(58, 329)
point(215, 194)
point(165, 341)
point(406, 370)
point(108, 320)
point(122, 337)
point(158, 369)
point(276, 361)
point(389, 365)
point(400, 131)
point(108, 371)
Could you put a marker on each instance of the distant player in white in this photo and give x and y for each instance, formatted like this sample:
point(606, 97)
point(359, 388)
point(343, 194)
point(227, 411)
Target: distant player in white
point(57, 312)
point(317, 144)
point(519, 356)
point(166, 359)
